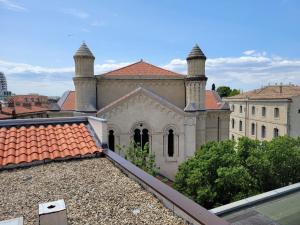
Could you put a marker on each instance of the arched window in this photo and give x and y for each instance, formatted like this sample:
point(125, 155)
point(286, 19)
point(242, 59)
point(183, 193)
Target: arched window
point(263, 111)
point(232, 107)
point(263, 131)
point(241, 126)
point(145, 137)
point(171, 143)
point(241, 108)
point(141, 138)
point(232, 123)
point(137, 137)
point(111, 140)
point(275, 132)
point(276, 112)
point(253, 110)
point(252, 128)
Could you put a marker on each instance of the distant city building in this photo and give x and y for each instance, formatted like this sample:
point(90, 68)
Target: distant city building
point(266, 113)
point(3, 87)
point(25, 106)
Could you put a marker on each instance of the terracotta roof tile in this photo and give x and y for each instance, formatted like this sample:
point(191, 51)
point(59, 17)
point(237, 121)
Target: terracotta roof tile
point(23, 110)
point(212, 100)
point(142, 68)
point(270, 92)
point(40, 142)
point(69, 103)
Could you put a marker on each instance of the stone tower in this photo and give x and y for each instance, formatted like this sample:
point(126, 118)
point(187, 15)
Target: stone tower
point(196, 80)
point(84, 80)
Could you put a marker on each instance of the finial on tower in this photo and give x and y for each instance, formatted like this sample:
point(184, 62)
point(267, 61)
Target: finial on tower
point(84, 51)
point(196, 53)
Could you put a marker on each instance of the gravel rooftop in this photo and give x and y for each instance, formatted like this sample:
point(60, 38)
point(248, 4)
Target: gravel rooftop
point(94, 190)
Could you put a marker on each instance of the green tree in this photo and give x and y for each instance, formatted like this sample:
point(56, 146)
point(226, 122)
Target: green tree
point(226, 171)
point(142, 157)
point(204, 176)
point(284, 156)
point(234, 92)
point(224, 91)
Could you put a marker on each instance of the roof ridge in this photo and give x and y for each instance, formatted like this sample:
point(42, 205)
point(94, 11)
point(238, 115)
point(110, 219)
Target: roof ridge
point(144, 62)
point(121, 68)
point(160, 67)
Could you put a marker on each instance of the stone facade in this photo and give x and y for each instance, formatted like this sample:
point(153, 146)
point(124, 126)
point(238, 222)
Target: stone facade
point(266, 113)
point(167, 109)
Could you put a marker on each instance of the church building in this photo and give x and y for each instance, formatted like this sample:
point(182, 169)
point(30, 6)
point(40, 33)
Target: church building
point(173, 112)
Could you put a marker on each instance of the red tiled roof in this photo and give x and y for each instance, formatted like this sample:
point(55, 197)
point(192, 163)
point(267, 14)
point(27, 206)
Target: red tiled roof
point(212, 101)
point(142, 68)
point(69, 103)
point(270, 92)
point(24, 110)
point(41, 142)
point(21, 98)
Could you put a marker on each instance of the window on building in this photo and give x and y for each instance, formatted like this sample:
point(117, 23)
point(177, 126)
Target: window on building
point(252, 128)
point(253, 110)
point(171, 143)
point(263, 111)
point(232, 137)
point(111, 140)
point(298, 110)
point(137, 137)
point(241, 109)
point(232, 123)
point(145, 137)
point(232, 107)
point(263, 131)
point(276, 112)
point(241, 126)
point(275, 132)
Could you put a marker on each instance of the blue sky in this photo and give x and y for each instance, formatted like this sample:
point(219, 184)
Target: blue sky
point(248, 43)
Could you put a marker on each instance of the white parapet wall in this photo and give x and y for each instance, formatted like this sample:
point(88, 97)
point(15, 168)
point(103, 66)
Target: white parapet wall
point(100, 128)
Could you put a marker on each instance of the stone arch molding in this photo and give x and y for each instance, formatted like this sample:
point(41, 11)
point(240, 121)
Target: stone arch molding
point(137, 124)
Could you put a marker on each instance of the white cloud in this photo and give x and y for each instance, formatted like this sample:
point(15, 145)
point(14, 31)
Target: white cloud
point(15, 68)
point(249, 52)
point(77, 13)
point(244, 72)
point(12, 6)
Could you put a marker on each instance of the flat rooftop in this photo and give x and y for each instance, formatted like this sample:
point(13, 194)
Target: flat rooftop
point(95, 192)
point(284, 210)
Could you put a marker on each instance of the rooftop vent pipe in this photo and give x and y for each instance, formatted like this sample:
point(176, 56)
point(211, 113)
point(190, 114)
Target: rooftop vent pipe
point(53, 213)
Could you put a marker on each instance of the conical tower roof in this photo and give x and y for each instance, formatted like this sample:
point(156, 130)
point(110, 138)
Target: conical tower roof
point(196, 53)
point(84, 51)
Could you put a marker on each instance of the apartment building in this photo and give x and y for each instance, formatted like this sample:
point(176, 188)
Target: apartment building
point(265, 113)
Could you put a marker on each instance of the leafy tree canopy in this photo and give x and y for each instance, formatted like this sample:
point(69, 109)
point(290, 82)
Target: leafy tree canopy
point(226, 171)
point(225, 91)
point(140, 156)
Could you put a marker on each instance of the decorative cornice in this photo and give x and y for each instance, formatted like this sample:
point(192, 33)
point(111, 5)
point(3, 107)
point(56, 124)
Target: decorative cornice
point(196, 78)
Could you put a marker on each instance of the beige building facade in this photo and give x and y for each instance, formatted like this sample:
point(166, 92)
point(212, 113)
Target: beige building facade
point(144, 103)
point(266, 113)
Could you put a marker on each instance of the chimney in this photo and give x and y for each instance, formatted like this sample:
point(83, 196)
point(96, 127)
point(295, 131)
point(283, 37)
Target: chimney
point(13, 113)
point(53, 213)
point(280, 88)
